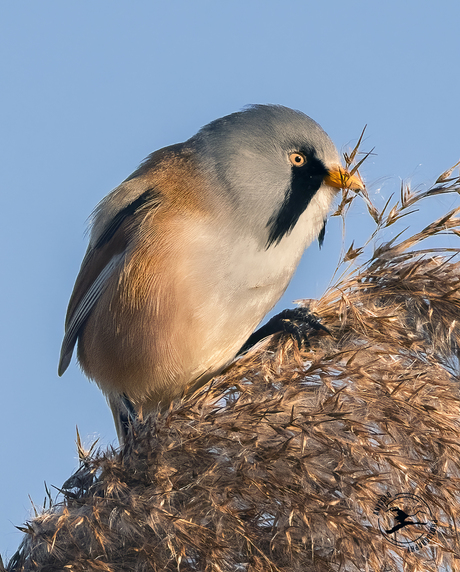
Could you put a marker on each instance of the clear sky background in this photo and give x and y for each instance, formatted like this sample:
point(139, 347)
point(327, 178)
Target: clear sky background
point(89, 88)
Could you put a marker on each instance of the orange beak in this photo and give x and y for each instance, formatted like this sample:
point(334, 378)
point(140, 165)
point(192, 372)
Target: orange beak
point(340, 178)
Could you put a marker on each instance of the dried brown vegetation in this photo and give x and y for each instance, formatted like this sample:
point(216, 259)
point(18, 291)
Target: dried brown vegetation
point(279, 464)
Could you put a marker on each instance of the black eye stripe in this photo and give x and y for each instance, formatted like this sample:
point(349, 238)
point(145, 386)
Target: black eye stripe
point(305, 182)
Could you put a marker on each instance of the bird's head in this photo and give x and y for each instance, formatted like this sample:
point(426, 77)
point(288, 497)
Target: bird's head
point(269, 164)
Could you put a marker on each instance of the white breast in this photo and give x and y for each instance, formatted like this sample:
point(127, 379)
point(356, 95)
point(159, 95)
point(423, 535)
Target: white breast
point(232, 281)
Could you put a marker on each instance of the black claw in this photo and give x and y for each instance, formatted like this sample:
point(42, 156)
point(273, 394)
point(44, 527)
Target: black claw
point(299, 322)
point(299, 331)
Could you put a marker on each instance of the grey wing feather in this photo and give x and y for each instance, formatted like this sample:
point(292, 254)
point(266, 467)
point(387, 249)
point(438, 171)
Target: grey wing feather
point(82, 312)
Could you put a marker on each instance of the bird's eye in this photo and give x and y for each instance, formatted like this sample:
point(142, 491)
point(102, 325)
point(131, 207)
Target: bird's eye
point(297, 159)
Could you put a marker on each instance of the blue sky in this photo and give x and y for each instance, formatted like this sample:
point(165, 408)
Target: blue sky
point(90, 88)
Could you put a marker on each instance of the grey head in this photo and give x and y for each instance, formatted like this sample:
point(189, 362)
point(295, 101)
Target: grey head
point(246, 156)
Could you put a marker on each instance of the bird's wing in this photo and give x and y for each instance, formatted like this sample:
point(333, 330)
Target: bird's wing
point(100, 261)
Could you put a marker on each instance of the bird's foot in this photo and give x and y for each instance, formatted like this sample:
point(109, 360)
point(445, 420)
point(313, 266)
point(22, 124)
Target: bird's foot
point(299, 322)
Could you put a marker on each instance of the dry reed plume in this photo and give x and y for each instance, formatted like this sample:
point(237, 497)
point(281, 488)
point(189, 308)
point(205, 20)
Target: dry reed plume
point(280, 463)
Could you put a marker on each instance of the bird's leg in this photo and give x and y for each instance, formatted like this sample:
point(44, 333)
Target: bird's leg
point(126, 415)
point(299, 322)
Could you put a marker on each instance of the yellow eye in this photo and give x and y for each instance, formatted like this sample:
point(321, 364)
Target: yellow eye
point(297, 159)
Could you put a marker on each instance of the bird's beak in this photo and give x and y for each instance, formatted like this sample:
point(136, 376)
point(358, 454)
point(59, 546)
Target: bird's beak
point(340, 178)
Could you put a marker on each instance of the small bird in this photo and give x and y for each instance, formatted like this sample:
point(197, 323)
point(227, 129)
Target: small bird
point(190, 252)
